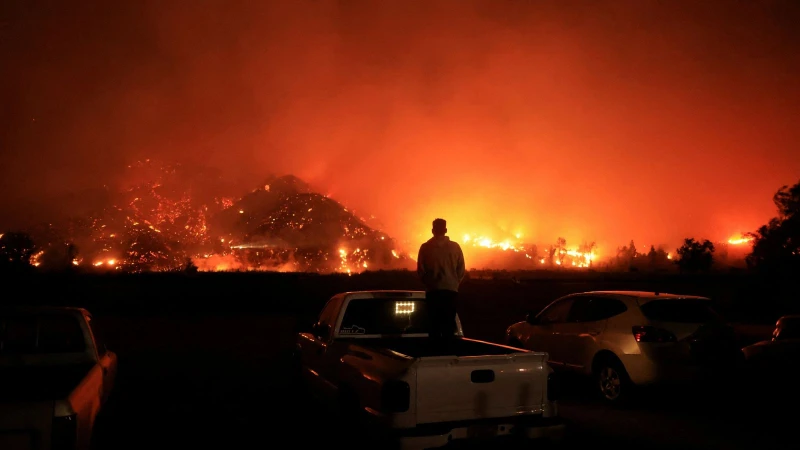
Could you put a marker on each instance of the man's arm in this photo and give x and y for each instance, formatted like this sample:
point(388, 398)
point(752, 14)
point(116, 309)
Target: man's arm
point(461, 269)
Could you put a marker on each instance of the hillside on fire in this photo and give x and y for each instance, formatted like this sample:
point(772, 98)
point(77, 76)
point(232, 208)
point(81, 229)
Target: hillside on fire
point(177, 217)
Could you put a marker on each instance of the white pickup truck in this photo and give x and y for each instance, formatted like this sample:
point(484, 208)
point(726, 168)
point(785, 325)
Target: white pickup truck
point(369, 354)
point(55, 375)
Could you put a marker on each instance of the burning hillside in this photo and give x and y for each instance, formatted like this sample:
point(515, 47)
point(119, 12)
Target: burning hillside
point(178, 217)
point(284, 223)
point(172, 217)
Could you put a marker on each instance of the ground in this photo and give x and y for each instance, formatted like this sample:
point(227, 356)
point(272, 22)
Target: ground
point(199, 380)
point(200, 360)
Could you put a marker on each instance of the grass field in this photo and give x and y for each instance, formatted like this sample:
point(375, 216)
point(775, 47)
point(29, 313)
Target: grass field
point(489, 301)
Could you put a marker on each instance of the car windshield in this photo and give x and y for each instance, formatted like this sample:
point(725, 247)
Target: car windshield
point(40, 333)
point(680, 311)
point(385, 316)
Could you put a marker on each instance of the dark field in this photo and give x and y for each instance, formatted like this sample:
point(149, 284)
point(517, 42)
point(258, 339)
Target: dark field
point(201, 356)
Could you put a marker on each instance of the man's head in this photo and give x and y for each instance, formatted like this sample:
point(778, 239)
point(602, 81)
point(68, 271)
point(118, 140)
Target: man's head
point(439, 227)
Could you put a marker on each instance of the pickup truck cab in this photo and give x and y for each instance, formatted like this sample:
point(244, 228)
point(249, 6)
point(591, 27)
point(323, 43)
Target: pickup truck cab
point(775, 361)
point(55, 376)
point(369, 354)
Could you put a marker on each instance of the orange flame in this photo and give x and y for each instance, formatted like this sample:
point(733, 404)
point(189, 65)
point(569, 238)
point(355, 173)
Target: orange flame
point(740, 239)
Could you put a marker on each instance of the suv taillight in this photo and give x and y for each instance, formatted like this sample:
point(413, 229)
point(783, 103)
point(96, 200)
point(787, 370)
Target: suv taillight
point(395, 396)
point(652, 334)
point(64, 435)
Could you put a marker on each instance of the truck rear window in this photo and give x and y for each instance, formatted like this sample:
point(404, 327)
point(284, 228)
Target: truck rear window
point(680, 311)
point(40, 333)
point(385, 316)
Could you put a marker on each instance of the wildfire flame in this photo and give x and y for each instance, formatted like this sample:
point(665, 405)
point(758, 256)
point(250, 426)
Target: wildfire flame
point(740, 240)
point(36, 258)
point(160, 225)
point(573, 257)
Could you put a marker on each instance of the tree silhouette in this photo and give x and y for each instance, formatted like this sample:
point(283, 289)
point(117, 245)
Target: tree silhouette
point(657, 258)
point(189, 266)
point(587, 248)
point(16, 250)
point(532, 251)
point(622, 257)
point(776, 245)
point(661, 255)
point(652, 256)
point(625, 256)
point(58, 257)
point(148, 251)
point(695, 256)
point(561, 245)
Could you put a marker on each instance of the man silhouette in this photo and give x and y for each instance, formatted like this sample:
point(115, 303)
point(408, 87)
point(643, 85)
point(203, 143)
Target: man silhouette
point(440, 266)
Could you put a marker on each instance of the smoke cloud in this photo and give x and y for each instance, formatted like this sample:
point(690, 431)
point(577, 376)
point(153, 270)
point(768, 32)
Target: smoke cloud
point(604, 121)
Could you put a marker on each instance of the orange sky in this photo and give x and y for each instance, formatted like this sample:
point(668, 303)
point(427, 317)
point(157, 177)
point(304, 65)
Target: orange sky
point(605, 121)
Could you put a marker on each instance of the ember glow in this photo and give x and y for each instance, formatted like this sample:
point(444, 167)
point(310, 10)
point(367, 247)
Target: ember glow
point(36, 258)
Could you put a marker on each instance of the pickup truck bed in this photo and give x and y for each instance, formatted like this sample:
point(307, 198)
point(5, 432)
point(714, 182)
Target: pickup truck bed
point(369, 354)
point(420, 347)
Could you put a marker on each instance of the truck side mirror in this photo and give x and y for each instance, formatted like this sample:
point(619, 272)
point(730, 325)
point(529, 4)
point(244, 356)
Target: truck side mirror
point(322, 331)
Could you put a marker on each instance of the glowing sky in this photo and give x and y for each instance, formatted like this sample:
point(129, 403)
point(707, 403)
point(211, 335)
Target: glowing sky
point(606, 121)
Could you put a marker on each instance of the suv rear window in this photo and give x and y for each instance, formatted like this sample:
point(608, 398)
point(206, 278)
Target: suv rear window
point(680, 311)
point(593, 309)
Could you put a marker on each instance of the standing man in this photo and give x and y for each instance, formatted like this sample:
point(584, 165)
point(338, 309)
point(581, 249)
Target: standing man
point(440, 265)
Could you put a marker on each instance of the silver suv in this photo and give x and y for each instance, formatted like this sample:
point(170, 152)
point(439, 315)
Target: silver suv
point(627, 338)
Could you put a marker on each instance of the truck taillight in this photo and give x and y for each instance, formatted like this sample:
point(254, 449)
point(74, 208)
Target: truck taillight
point(395, 396)
point(553, 387)
point(64, 435)
point(652, 334)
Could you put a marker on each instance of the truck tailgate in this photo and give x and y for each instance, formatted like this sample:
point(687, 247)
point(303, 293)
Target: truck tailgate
point(474, 387)
point(25, 425)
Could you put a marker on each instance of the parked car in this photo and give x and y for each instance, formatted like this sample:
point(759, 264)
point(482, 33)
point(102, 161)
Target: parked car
point(55, 377)
point(629, 338)
point(369, 356)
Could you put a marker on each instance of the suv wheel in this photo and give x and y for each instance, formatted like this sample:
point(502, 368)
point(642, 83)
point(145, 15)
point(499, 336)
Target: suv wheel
point(612, 381)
